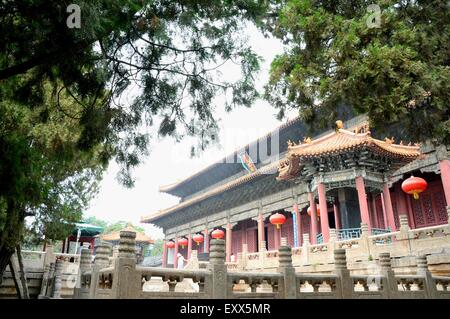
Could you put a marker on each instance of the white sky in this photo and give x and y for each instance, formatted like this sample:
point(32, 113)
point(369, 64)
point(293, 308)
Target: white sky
point(169, 161)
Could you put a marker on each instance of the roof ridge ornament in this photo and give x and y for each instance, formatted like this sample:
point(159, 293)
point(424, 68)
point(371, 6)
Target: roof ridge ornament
point(339, 125)
point(291, 143)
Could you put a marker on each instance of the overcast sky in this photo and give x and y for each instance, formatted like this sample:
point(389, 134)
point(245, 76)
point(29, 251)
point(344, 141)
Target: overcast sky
point(169, 161)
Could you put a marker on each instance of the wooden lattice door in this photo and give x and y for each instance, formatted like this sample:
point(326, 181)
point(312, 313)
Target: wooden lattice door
point(429, 209)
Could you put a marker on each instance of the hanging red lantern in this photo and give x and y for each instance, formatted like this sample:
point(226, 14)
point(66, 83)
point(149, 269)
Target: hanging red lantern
point(198, 238)
point(317, 209)
point(170, 244)
point(183, 242)
point(217, 234)
point(277, 219)
point(414, 186)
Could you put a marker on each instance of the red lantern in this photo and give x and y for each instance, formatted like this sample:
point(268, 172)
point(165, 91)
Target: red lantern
point(183, 242)
point(317, 209)
point(414, 186)
point(198, 238)
point(277, 219)
point(170, 244)
point(217, 234)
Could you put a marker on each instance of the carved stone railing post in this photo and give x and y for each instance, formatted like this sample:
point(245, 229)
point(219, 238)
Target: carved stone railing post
point(51, 280)
point(404, 223)
point(404, 229)
point(81, 291)
point(288, 289)
point(304, 255)
point(56, 294)
point(44, 283)
point(390, 285)
point(49, 255)
point(333, 236)
point(126, 281)
point(422, 269)
point(217, 285)
point(344, 284)
point(102, 253)
point(364, 243)
point(262, 254)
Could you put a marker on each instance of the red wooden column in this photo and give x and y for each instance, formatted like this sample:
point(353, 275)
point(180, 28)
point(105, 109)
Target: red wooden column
point(373, 209)
point(63, 245)
point(92, 245)
point(412, 223)
point(385, 219)
point(244, 234)
point(298, 225)
point(388, 207)
point(362, 199)
point(276, 236)
point(444, 166)
point(323, 212)
point(228, 242)
point(164, 257)
point(189, 252)
point(312, 204)
point(206, 247)
point(402, 206)
point(260, 231)
point(175, 254)
point(337, 217)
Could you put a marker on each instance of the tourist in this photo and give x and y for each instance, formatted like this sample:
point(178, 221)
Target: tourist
point(180, 262)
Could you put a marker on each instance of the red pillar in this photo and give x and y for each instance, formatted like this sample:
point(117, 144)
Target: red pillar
point(412, 223)
point(337, 217)
point(444, 166)
point(385, 219)
point(260, 231)
point(298, 225)
point(164, 257)
point(228, 242)
point(362, 199)
point(276, 236)
point(92, 245)
point(402, 207)
point(63, 245)
point(373, 208)
point(388, 207)
point(323, 212)
point(312, 204)
point(244, 234)
point(189, 246)
point(206, 240)
point(175, 254)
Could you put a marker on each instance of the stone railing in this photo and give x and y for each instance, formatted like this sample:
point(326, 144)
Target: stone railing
point(402, 243)
point(127, 280)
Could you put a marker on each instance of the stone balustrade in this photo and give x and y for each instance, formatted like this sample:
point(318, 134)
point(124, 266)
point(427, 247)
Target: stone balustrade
point(402, 243)
point(125, 279)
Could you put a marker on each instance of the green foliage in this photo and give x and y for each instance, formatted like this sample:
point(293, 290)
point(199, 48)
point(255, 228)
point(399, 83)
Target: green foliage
point(43, 173)
point(397, 73)
point(157, 249)
point(63, 116)
point(96, 221)
point(120, 225)
point(168, 50)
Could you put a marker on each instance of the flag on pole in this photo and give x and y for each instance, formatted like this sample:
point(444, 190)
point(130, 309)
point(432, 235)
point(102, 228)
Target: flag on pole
point(247, 162)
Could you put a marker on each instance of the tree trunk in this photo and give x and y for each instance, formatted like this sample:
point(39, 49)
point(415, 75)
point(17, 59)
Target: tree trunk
point(5, 257)
point(15, 277)
point(23, 275)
